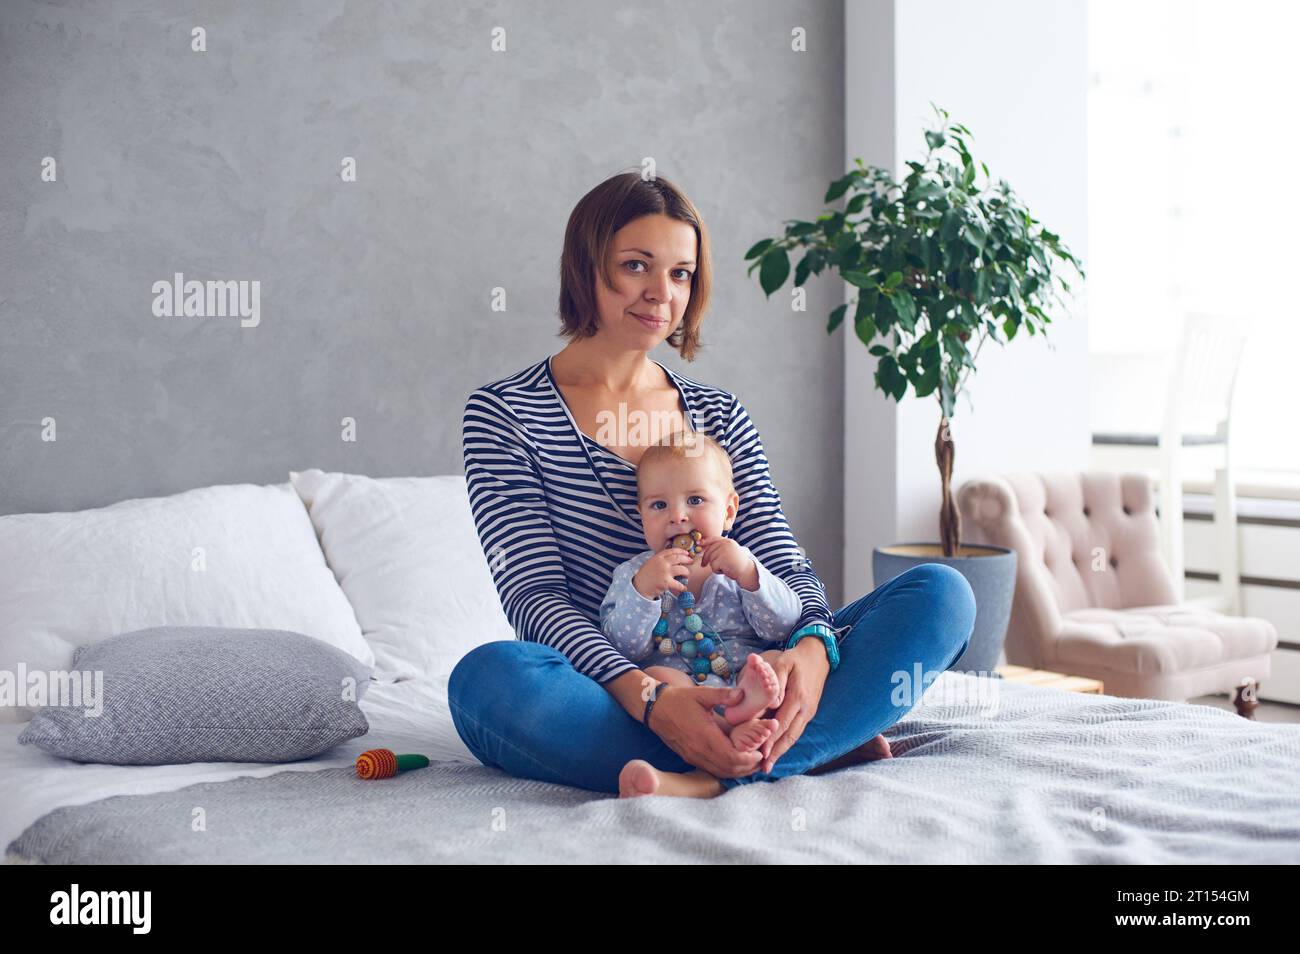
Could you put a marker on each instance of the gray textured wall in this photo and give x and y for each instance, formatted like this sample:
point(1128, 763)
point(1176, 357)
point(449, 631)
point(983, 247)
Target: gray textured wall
point(375, 294)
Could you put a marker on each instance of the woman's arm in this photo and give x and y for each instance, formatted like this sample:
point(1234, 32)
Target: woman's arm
point(761, 525)
point(509, 504)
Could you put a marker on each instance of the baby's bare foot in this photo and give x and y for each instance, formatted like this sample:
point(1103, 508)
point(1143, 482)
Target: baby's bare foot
point(748, 736)
point(639, 777)
point(762, 690)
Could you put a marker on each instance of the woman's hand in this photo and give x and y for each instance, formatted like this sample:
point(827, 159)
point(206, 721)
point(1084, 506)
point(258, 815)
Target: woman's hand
point(682, 717)
point(802, 674)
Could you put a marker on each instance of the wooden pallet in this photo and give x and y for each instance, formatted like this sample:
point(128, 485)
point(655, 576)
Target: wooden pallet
point(1055, 680)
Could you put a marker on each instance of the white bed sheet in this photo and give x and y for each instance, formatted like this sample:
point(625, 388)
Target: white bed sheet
point(407, 716)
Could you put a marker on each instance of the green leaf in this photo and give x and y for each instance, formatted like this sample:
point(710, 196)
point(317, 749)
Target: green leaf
point(934, 139)
point(860, 279)
point(931, 354)
point(970, 317)
point(801, 270)
point(866, 304)
point(758, 248)
point(926, 192)
point(774, 270)
point(951, 256)
point(926, 382)
point(856, 203)
point(905, 308)
point(863, 315)
point(975, 236)
point(950, 226)
point(865, 328)
point(884, 314)
point(894, 280)
point(837, 316)
point(878, 350)
point(816, 260)
point(847, 254)
point(890, 379)
point(839, 187)
point(929, 253)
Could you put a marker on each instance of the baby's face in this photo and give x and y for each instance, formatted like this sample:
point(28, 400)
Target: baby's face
point(683, 495)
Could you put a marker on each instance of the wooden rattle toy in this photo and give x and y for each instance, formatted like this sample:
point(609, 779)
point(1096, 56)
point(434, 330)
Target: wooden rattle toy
point(382, 763)
point(690, 542)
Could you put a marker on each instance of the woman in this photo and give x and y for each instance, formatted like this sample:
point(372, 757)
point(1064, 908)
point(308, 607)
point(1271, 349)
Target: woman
point(555, 509)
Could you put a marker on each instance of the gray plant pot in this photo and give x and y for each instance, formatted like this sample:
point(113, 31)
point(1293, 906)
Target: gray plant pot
point(991, 572)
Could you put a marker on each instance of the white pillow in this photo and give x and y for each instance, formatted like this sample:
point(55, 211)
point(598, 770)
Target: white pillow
point(407, 554)
point(240, 556)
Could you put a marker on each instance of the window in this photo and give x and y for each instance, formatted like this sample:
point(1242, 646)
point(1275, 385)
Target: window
point(1193, 204)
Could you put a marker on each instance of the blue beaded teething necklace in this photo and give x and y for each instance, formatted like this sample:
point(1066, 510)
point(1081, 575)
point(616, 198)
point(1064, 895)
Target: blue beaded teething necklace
point(699, 646)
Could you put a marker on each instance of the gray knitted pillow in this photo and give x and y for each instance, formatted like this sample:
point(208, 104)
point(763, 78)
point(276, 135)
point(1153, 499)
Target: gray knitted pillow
point(202, 694)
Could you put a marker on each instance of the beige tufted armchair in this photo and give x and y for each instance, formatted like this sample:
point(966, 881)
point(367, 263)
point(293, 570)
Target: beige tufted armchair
point(1094, 597)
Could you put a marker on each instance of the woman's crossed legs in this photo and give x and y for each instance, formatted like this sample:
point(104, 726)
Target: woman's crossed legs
point(522, 707)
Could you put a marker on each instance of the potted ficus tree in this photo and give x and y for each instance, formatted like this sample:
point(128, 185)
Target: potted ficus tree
point(941, 265)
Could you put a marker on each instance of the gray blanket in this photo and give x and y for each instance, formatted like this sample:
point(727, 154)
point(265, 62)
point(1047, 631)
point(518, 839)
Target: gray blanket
point(1050, 776)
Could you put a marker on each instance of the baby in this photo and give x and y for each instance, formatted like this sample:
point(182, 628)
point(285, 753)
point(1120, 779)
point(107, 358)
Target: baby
point(685, 491)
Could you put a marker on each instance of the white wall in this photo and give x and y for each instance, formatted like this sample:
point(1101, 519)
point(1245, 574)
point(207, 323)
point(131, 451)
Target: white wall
point(1014, 72)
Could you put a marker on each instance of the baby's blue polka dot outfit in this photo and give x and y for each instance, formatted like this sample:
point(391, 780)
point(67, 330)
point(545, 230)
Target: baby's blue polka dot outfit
point(748, 622)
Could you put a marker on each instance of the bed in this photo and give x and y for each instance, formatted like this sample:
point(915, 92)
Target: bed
point(985, 771)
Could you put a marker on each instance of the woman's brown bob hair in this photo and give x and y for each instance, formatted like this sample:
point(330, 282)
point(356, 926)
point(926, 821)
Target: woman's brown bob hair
point(592, 224)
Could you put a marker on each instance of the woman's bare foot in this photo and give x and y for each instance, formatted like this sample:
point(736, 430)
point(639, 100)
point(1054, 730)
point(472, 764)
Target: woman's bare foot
point(748, 736)
point(869, 751)
point(878, 748)
point(761, 687)
point(639, 777)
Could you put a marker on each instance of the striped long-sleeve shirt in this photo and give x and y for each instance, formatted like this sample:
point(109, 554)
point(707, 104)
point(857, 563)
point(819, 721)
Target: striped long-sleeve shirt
point(556, 511)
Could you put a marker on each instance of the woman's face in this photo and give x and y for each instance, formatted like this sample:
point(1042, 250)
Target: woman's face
point(652, 263)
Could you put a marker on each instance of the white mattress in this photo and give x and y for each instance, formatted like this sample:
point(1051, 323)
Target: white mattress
point(408, 716)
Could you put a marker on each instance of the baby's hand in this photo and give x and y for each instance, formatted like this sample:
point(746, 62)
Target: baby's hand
point(660, 573)
point(725, 555)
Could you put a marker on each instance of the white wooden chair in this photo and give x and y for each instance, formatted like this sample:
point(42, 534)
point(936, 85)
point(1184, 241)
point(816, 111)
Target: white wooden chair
point(1201, 378)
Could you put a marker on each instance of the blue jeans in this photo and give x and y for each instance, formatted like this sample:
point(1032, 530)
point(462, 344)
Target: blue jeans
point(522, 707)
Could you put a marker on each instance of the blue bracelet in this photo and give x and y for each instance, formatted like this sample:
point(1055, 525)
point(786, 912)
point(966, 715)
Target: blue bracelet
point(828, 638)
